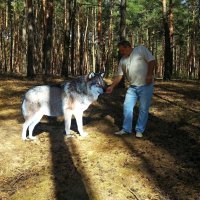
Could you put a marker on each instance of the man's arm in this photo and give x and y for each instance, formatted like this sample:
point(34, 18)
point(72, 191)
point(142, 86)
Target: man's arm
point(149, 77)
point(115, 82)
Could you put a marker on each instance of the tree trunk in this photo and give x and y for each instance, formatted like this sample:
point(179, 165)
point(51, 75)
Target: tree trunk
point(30, 31)
point(171, 31)
point(168, 62)
point(198, 47)
point(10, 24)
point(109, 56)
point(85, 59)
point(78, 33)
point(99, 33)
point(192, 47)
point(1, 42)
point(47, 41)
point(73, 22)
point(65, 63)
point(122, 26)
point(93, 41)
point(81, 49)
point(122, 32)
point(4, 25)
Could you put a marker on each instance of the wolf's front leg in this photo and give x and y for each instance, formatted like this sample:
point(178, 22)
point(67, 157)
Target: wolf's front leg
point(79, 121)
point(68, 117)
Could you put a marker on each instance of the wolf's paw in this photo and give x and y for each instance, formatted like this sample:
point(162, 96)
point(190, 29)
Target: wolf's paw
point(32, 137)
point(69, 135)
point(24, 138)
point(84, 134)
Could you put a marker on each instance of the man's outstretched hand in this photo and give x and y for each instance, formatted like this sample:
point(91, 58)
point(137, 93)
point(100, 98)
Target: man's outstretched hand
point(109, 89)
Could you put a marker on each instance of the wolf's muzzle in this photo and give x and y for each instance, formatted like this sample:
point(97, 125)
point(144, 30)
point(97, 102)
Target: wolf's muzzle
point(104, 87)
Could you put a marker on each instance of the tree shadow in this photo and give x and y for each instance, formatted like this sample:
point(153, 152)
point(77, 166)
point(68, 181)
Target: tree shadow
point(184, 168)
point(189, 92)
point(183, 146)
point(184, 149)
point(176, 104)
point(68, 183)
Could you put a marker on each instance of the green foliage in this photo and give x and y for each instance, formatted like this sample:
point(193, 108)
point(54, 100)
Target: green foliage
point(18, 6)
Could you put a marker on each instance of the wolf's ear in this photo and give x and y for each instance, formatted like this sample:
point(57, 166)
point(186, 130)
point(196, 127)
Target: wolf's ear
point(91, 75)
point(102, 74)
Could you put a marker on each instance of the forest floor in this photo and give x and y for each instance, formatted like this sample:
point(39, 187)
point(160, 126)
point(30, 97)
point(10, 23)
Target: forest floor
point(163, 165)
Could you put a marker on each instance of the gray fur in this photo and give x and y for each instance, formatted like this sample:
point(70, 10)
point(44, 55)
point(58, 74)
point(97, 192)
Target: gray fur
point(71, 98)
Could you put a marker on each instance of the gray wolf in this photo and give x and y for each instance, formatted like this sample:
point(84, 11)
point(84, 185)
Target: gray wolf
point(71, 98)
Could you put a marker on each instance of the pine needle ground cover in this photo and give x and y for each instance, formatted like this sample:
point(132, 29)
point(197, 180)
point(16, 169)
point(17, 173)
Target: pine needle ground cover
point(164, 164)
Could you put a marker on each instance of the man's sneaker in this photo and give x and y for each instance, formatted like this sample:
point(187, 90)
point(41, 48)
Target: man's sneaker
point(122, 132)
point(139, 135)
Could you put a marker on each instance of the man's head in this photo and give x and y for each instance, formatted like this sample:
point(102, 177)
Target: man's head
point(125, 48)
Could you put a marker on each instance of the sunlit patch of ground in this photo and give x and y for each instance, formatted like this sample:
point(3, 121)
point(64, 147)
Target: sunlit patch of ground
point(164, 164)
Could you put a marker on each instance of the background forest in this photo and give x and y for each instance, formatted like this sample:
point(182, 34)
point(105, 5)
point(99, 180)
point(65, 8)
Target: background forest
point(52, 41)
point(73, 37)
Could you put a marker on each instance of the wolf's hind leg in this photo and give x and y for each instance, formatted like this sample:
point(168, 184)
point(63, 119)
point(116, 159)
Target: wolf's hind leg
point(79, 121)
point(37, 119)
point(26, 124)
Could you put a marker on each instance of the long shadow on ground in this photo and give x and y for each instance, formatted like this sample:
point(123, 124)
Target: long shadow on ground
point(67, 181)
point(68, 184)
point(182, 145)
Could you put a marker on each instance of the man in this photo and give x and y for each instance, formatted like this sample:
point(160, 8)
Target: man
point(137, 65)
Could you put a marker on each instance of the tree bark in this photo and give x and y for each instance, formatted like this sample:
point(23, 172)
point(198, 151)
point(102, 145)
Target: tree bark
point(73, 23)
point(81, 49)
point(122, 32)
point(65, 63)
point(10, 23)
point(168, 62)
point(93, 40)
point(30, 30)
point(171, 30)
point(192, 45)
point(122, 29)
point(109, 56)
point(47, 41)
point(99, 34)
point(1, 42)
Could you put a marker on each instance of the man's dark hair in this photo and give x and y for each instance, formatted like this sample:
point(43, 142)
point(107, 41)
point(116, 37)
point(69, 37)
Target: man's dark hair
point(124, 43)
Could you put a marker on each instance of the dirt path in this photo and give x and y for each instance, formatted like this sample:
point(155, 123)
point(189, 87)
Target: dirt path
point(165, 164)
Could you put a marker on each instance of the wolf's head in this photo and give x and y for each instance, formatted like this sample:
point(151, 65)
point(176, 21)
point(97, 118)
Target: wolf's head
point(96, 81)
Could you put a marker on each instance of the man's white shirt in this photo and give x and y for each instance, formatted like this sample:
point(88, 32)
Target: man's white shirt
point(135, 67)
